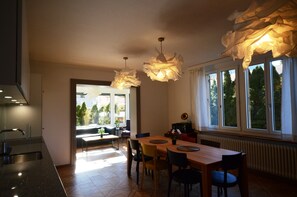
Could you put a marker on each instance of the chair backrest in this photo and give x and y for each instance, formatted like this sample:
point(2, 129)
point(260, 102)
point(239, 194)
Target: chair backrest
point(140, 135)
point(231, 162)
point(210, 143)
point(178, 159)
point(149, 150)
point(128, 125)
point(134, 144)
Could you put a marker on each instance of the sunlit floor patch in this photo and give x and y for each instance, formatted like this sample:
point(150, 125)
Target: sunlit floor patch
point(98, 159)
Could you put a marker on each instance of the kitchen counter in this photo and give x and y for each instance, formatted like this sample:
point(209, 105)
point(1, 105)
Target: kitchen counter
point(30, 178)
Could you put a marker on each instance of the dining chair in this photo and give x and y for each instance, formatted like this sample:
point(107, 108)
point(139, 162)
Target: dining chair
point(223, 178)
point(140, 135)
point(156, 164)
point(183, 174)
point(137, 156)
point(210, 143)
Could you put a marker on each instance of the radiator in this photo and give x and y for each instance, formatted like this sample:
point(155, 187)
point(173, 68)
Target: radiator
point(267, 156)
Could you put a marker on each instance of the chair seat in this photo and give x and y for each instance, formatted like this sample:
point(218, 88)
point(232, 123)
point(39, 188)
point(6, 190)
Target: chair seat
point(186, 176)
point(161, 164)
point(139, 158)
point(218, 179)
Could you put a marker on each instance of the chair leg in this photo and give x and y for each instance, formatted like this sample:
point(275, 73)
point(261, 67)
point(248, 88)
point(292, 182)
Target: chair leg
point(169, 187)
point(142, 176)
point(137, 172)
point(225, 192)
point(155, 183)
point(185, 190)
point(218, 191)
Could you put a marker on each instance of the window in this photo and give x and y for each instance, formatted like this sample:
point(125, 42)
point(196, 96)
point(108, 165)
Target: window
point(260, 88)
point(120, 108)
point(276, 69)
point(222, 99)
point(103, 103)
point(101, 106)
point(255, 91)
point(213, 99)
point(229, 106)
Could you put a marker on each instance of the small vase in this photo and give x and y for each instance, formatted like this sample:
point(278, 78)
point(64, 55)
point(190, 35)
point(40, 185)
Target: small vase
point(173, 141)
point(101, 135)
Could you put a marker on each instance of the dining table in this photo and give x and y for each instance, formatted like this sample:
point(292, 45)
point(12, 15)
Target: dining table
point(204, 158)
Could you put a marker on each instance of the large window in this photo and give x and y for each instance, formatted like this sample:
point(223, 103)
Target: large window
point(101, 106)
point(259, 92)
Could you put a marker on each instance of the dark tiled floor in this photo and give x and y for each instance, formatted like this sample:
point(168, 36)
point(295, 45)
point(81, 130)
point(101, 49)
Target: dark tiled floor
point(103, 172)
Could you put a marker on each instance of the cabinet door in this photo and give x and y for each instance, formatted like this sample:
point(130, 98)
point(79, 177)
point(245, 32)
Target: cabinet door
point(10, 45)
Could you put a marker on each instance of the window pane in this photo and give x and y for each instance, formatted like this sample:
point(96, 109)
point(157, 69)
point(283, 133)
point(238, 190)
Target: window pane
point(213, 98)
point(229, 98)
point(276, 84)
point(256, 104)
point(103, 102)
point(120, 108)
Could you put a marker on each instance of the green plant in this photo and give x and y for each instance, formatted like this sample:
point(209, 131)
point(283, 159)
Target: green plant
point(117, 123)
point(101, 130)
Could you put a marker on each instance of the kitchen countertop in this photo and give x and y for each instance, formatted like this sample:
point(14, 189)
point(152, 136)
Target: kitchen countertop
point(31, 178)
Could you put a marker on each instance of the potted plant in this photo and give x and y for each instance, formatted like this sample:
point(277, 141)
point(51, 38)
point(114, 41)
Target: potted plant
point(117, 123)
point(101, 131)
point(174, 134)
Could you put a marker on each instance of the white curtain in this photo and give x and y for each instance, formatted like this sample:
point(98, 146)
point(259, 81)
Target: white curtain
point(198, 99)
point(289, 97)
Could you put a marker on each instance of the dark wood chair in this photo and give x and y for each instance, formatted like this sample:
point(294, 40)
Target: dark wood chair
point(137, 156)
point(183, 174)
point(140, 135)
point(223, 178)
point(210, 143)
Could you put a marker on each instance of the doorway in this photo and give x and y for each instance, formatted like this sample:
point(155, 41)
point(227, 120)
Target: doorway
point(76, 93)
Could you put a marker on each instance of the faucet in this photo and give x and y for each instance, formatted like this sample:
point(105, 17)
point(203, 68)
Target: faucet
point(6, 149)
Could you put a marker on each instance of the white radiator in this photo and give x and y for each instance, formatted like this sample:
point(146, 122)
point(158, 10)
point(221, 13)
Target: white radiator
point(272, 157)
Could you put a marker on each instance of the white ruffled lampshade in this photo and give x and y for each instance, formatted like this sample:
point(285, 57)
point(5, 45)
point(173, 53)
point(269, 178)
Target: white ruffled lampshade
point(270, 26)
point(125, 79)
point(164, 69)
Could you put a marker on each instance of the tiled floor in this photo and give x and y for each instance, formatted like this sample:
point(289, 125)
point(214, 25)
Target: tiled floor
point(102, 172)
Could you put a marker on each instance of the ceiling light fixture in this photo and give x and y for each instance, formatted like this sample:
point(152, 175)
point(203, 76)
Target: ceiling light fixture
point(270, 26)
point(125, 78)
point(162, 69)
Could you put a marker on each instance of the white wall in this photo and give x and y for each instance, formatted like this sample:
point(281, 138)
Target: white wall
point(56, 104)
point(179, 100)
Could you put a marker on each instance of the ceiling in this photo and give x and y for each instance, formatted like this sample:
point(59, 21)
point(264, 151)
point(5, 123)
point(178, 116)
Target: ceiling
point(100, 33)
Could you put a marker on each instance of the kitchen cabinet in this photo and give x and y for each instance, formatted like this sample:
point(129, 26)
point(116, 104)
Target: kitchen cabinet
point(14, 61)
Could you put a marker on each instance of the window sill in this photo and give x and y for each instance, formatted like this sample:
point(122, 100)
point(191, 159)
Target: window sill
point(272, 137)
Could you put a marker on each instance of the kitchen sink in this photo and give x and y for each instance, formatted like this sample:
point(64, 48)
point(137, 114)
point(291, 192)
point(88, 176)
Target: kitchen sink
point(22, 157)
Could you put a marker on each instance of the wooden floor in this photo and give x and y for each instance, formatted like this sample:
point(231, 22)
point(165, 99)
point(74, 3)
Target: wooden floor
point(101, 172)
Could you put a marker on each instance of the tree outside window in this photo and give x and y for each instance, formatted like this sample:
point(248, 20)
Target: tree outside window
point(229, 98)
point(256, 97)
point(213, 99)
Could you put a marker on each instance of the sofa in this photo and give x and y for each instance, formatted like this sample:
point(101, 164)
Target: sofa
point(93, 131)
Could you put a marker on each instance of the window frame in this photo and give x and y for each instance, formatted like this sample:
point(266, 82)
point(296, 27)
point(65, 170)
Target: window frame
point(218, 69)
point(241, 93)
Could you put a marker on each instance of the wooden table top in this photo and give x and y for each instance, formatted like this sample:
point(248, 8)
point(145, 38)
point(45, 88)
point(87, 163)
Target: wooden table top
point(105, 137)
point(207, 155)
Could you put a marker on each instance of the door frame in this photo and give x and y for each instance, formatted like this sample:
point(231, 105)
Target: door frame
point(73, 83)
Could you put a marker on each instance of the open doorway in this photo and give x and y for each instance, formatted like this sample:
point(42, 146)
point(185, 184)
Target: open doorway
point(94, 105)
